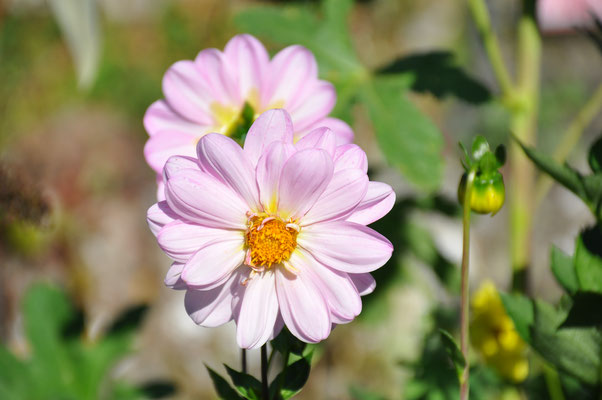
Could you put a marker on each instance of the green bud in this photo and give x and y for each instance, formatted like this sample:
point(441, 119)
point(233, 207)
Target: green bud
point(488, 192)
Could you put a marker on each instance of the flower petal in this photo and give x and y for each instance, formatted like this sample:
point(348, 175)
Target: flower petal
point(177, 163)
point(223, 158)
point(213, 263)
point(213, 307)
point(318, 102)
point(160, 117)
point(201, 198)
point(379, 200)
point(305, 176)
point(268, 173)
point(271, 126)
point(346, 246)
point(302, 306)
point(346, 189)
point(158, 215)
point(350, 156)
point(337, 288)
point(258, 311)
point(186, 92)
point(248, 62)
point(180, 240)
point(319, 138)
point(342, 131)
point(173, 279)
point(210, 66)
point(165, 144)
point(364, 283)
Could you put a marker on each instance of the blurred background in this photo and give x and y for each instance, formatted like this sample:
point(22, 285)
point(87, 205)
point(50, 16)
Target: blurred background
point(75, 80)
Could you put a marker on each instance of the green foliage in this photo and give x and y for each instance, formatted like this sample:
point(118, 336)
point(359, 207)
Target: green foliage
point(408, 139)
point(564, 270)
point(436, 73)
point(222, 387)
point(454, 352)
point(63, 365)
point(587, 187)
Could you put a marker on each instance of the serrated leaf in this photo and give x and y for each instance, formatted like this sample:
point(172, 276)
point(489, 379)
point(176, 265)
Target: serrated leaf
point(454, 352)
point(595, 156)
point(585, 311)
point(290, 381)
point(246, 385)
point(588, 260)
point(564, 270)
point(408, 139)
point(222, 387)
point(520, 310)
point(437, 73)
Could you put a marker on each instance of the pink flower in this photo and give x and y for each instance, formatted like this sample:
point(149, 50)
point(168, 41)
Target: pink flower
point(563, 15)
point(273, 233)
point(209, 95)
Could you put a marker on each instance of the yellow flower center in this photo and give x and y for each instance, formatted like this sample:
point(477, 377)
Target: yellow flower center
point(269, 240)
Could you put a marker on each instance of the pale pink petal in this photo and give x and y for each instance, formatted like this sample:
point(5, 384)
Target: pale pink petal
point(342, 131)
point(559, 15)
point(159, 215)
point(350, 156)
point(210, 65)
point(337, 288)
point(317, 104)
point(248, 62)
point(160, 117)
point(223, 158)
point(344, 192)
point(319, 138)
point(278, 325)
point(290, 72)
point(201, 198)
point(165, 144)
point(364, 283)
point(186, 92)
point(346, 246)
point(305, 176)
point(213, 263)
point(180, 240)
point(268, 172)
point(212, 307)
point(379, 200)
point(271, 126)
point(259, 309)
point(302, 306)
point(173, 279)
point(160, 188)
point(175, 164)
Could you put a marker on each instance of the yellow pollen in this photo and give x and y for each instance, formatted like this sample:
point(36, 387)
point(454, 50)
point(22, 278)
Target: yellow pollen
point(269, 240)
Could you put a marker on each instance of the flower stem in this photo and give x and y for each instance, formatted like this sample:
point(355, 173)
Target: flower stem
point(243, 360)
point(464, 335)
point(264, 373)
point(570, 139)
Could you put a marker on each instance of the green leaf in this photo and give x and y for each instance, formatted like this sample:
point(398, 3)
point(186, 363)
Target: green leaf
point(595, 156)
point(15, 379)
point(454, 352)
point(479, 148)
point(358, 393)
point(585, 311)
point(129, 320)
point(588, 260)
point(564, 270)
point(408, 139)
point(222, 387)
point(246, 385)
point(437, 73)
point(292, 379)
point(500, 155)
point(520, 310)
point(286, 342)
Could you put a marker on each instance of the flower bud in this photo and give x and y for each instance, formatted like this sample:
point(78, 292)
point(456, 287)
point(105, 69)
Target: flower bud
point(488, 192)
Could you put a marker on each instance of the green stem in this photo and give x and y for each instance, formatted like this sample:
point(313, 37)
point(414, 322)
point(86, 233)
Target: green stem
point(464, 334)
point(570, 139)
point(264, 373)
point(243, 360)
point(481, 18)
point(524, 127)
point(552, 382)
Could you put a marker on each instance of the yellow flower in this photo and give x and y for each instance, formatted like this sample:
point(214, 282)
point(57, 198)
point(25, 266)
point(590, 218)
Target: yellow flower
point(493, 334)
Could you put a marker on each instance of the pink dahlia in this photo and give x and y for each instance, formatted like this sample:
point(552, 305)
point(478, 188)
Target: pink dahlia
point(563, 15)
point(225, 91)
point(273, 233)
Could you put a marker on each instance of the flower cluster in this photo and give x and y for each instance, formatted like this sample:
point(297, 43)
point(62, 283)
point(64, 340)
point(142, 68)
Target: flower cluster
point(494, 335)
point(274, 232)
point(226, 91)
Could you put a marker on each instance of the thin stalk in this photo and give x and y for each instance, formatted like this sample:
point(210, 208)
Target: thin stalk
point(570, 139)
point(480, 15)
point(243, 360)
point(552, 382)
point(464, 334)
point(264, 373)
